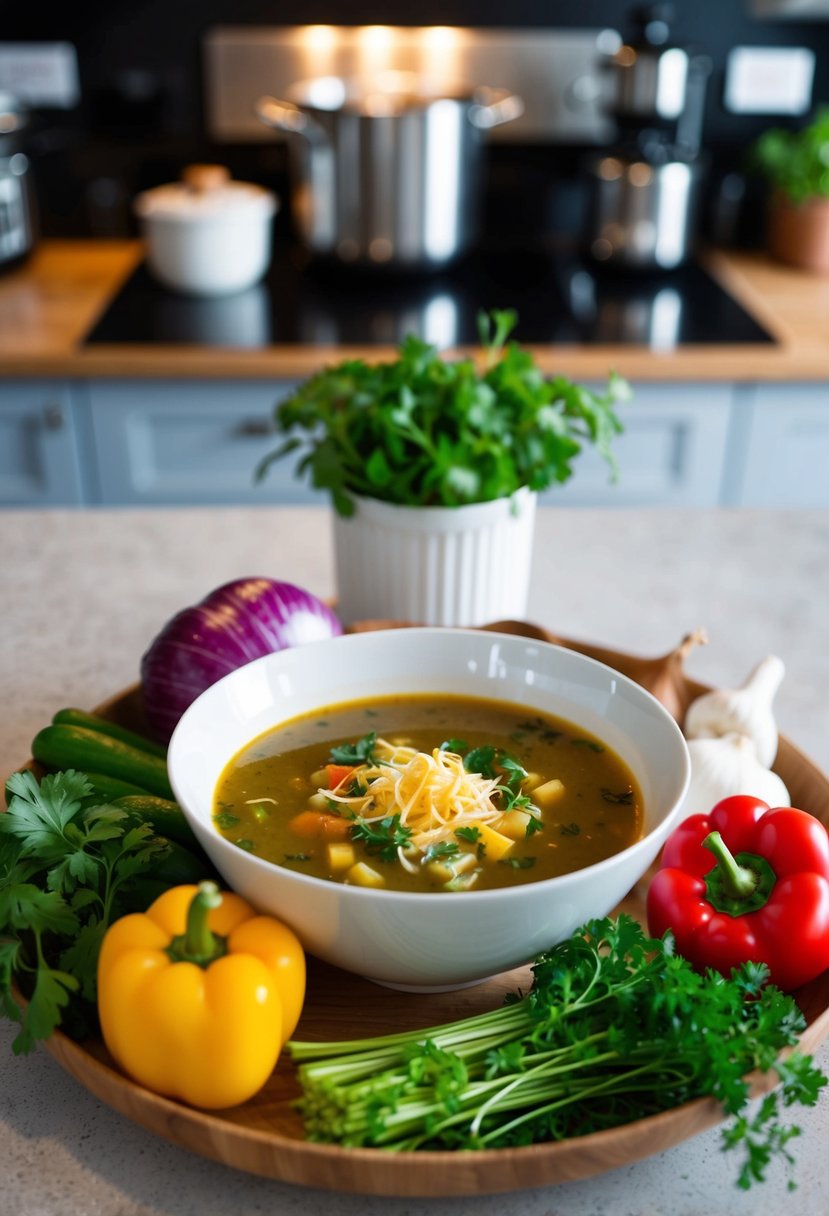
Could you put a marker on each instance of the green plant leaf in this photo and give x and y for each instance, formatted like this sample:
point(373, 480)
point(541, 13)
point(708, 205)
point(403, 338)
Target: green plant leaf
point(422, 431)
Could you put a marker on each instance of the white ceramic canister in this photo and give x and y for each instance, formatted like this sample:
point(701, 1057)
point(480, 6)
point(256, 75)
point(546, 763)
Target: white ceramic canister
point(435, 565)
point(207, 235)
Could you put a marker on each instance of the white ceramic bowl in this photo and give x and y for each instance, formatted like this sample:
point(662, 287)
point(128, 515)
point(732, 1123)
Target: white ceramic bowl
point(424, 940)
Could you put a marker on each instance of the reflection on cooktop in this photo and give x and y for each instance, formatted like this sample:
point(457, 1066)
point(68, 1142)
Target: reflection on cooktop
point(559, 300)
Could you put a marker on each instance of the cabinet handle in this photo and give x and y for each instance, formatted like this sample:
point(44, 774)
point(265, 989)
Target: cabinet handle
point(255, 427)
point(53, 417)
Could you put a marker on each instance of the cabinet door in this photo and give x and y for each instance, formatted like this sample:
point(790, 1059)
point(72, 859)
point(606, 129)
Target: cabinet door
point(168, 442)
point(39, 463)
point(672, 452)
point(787, 452)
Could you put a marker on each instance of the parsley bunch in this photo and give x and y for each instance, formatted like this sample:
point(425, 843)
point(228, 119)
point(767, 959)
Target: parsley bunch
point(421, 431)
point(66, 868)
point(615, 1027)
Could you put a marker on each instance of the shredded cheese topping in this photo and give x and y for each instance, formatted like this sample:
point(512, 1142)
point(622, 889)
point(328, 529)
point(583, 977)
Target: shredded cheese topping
point(433, 793)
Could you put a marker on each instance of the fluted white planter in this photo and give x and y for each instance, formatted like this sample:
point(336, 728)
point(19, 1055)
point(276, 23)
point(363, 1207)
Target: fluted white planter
point(435, 565)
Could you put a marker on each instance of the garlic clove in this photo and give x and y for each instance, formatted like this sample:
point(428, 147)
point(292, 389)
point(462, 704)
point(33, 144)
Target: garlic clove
point(746, 710)
point(727, 765)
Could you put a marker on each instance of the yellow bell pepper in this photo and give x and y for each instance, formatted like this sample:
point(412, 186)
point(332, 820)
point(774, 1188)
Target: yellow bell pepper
point(197, 995)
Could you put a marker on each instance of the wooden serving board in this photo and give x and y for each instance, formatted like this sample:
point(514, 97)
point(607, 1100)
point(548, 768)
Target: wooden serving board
point(265, 1136)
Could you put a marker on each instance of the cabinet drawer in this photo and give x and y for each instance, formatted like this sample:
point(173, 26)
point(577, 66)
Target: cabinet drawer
point(169, 442)
point(787, 453)
point(673, 451)
point(39, 464)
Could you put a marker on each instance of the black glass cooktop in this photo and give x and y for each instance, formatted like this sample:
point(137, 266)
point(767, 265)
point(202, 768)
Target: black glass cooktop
point(558, 297)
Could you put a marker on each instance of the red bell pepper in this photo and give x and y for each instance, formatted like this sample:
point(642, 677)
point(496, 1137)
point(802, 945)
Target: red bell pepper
point(746, 883)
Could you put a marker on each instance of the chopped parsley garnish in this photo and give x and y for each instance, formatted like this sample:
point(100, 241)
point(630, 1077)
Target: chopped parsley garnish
point(297, 856)
point(361, 752)
point(569, 829)
point(440, 850)
point(381, 837)
point(518, 863)
point(225, 820)
point(624, 798)
point(545, 732)
point(459, 746)
point(471, 834)
point(588, 743)
point(244, 843)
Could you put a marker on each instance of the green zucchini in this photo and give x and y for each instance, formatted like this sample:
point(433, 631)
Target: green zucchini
point(62, 747)
point(108, 789)
point(167, 818)
point(79, 717)
point(175, 867)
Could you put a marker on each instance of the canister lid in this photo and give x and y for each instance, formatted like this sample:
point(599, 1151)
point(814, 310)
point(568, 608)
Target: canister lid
point(205, 192)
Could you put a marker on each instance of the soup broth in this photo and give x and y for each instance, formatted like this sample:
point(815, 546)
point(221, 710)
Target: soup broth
point(429, 793)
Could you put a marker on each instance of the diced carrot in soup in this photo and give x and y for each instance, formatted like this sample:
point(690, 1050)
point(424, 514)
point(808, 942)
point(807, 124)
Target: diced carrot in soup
point(312, 824)
point(338, 773)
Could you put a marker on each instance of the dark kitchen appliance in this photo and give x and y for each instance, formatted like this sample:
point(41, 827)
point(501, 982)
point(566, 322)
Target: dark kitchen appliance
point(646, 190)
point(17, 207)
point(560, 297)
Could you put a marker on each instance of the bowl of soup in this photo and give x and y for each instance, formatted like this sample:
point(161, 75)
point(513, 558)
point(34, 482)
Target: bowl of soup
point(428, 807)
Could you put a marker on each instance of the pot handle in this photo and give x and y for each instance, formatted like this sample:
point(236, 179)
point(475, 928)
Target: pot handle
point(285, 116)
point(493, 107)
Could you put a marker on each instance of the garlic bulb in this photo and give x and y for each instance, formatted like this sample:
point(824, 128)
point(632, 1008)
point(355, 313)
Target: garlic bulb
point(746, 710)
point(725, 766)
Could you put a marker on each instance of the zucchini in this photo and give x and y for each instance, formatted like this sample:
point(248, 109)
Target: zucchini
point(108, 789)
point(167, 818)
point(175, 867)
point(79, 717)
point(63, 746)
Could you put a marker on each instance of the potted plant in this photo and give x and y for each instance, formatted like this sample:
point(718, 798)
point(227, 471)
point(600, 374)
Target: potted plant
point(796, 163)
point(433, 468)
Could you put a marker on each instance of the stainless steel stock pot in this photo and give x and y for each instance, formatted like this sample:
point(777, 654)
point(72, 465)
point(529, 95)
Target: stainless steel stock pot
point(386, 175)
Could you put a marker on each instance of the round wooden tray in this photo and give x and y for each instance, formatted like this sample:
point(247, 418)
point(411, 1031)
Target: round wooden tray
point(265, 1136)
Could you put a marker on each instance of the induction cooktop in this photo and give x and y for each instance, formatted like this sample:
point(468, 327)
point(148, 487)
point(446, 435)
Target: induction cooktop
point(559, 298)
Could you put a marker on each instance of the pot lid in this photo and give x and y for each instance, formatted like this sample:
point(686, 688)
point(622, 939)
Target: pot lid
point(386, 95)
point(205, 192)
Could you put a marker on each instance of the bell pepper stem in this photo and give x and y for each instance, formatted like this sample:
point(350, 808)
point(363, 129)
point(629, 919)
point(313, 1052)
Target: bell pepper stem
point(738, 882)
point(198, 943)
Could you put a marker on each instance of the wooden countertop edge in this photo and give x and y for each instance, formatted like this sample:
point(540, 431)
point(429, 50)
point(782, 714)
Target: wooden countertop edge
point(48, 306)
point(703, 363)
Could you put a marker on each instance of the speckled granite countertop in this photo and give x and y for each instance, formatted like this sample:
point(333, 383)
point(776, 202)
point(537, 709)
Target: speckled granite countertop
point(83, 594)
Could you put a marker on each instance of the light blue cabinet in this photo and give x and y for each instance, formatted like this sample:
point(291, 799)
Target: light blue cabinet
point(785, 457)
point(170, 442)
point(39, 444)
point(674, 451)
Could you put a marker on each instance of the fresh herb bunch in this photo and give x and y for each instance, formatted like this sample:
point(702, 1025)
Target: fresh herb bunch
point(66, 872)
point(796, 162)
point(615, 1027)
point(421, 431)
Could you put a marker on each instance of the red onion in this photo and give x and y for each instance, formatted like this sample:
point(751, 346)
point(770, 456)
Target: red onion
point(231, 626)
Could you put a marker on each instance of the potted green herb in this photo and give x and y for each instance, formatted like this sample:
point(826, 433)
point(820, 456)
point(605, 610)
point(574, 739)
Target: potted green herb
point(796, 163)
point(433, 468)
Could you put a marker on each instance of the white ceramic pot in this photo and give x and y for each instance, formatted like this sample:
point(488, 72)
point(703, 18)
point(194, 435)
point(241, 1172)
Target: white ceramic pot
point(207, 235)
point(435, 565)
